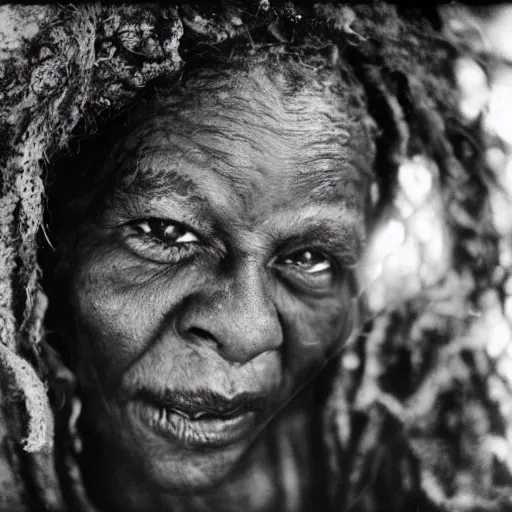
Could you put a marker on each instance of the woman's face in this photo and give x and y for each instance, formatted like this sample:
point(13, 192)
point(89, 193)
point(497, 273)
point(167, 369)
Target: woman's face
point(217, 281)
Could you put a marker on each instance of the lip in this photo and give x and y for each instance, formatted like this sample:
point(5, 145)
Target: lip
point(200, 419)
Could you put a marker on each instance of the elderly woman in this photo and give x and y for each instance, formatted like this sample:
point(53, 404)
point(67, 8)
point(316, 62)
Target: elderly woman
point(205, 270)
point(211, 279)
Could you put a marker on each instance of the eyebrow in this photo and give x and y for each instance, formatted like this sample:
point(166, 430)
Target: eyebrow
point(147, 177)
point(153, 185)
point(334, 187)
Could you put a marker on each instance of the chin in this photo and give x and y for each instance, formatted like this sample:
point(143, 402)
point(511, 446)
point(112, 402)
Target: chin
point(200, 473)
point(176, 461)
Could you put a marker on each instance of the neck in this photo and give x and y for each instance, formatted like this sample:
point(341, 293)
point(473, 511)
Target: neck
point(275, 474)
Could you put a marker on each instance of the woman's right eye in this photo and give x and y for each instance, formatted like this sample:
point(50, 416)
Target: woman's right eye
point(166, 231)
point(161, 240)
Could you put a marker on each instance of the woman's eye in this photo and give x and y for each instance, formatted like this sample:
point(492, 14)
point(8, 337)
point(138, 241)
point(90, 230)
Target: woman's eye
point(166, 231)
point(161, 241)
point(309, 261)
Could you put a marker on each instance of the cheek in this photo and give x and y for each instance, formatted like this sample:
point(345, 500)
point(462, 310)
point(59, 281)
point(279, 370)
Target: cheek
point(315, 331)
point(116, 316)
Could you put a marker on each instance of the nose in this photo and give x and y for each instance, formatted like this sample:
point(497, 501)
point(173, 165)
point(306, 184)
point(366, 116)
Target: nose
point(238, 318)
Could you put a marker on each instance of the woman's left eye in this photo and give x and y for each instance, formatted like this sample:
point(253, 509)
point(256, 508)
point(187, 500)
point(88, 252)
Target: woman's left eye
point(308, 261)
point(166, 231)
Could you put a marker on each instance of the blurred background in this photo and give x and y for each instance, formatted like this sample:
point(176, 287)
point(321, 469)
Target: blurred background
point(411, 248)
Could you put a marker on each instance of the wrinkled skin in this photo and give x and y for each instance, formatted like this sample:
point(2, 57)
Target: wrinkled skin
point(242, 284)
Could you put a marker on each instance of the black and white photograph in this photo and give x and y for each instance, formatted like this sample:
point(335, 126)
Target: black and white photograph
point(256, 256)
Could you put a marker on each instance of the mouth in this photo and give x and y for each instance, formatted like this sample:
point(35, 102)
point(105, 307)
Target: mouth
point(201, 418)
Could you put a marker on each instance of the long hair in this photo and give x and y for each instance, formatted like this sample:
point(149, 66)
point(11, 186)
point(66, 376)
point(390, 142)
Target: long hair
point(405, 412)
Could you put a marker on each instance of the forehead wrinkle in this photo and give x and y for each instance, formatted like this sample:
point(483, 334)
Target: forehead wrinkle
point(184, 167)
point(163, 161)
point(257, 107)
point(304, 130)
point(299, 117)
point(216, 145)
point(241, 154)
point(242, 158)
point(292, 133)
point(241, 161)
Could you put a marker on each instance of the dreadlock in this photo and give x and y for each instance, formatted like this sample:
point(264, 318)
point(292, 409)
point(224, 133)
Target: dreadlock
point(408, 420)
